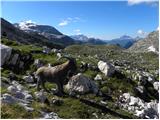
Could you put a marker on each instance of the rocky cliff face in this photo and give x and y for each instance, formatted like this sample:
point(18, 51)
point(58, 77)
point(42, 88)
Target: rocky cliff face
point(150, 43)
point(14, 59)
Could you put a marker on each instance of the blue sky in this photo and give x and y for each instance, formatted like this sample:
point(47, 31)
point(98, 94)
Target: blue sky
point(105, 20)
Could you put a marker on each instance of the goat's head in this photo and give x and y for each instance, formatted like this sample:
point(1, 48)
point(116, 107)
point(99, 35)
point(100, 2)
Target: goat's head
point(72, 64)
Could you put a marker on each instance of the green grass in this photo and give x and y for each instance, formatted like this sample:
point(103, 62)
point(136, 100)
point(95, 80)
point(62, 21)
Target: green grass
point(23, 48)
point(15, 111)
point(90, 73)
point(3, 90)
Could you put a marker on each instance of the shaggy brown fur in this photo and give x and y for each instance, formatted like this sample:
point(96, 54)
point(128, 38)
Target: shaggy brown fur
point(58, 74)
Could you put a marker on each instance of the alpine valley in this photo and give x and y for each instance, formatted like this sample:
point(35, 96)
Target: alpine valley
point(102, 79)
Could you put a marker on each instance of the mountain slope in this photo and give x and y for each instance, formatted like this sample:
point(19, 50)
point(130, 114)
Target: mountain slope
point(79, 37)
point(29, 26)
point(47, 31)
point(150, 43)
point(9, 31)
point(124, 41)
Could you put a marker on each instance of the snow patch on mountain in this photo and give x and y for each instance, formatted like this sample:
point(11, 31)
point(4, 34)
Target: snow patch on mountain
point(152, 49)
point(25, 25)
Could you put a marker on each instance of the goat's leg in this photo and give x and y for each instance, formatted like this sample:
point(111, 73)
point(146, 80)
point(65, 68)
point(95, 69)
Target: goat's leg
point(43, 85)
point(60, 91)
point(38, 83)
point(62, 88)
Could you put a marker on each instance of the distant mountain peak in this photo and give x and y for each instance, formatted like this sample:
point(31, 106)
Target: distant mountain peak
point(25, 25)
point(125, 37)
point(80, 37)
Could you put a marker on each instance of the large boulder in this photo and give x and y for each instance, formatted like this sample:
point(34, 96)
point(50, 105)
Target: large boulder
point(5, 53)
point(81, 84)
point(106, 68)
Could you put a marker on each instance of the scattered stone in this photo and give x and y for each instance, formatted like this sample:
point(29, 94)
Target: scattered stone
point(7, 98)
point(40, 96)
point(156, 86)
point(140, 89)
point(103, 102)
point(57, 101)
point(59, 55)
point(54, 50)
point(106, 68)
point(12, 89)
point(28, 79)
point(139, 107)
point(19, 95)
point(46, 50)
point(98, 77)
point(38, 63)
point(28, 97)
point(32, 85)
point(95, 114)
point(50, 115)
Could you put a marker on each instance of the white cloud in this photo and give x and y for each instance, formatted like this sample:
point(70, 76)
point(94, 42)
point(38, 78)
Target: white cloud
point(63, 23)
point(134, 2)
point(158, 28)
point(77, 31)
point(68, 21)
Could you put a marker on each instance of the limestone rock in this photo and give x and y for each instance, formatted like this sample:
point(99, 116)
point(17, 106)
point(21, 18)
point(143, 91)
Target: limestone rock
point(98, 77)
point(28, 79)
point(12, 89)
point(7, 98)
point(156, 86)
point(40, 96)
point(106, 68)
point(5, 53)
point(50, 115)
point(81, 84)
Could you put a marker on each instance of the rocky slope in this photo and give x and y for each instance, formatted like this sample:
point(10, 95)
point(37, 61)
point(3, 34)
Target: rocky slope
point(109, 83)
point(150, 43)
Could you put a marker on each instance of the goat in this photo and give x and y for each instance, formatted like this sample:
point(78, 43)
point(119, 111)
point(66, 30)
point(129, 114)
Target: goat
point(59, 74)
